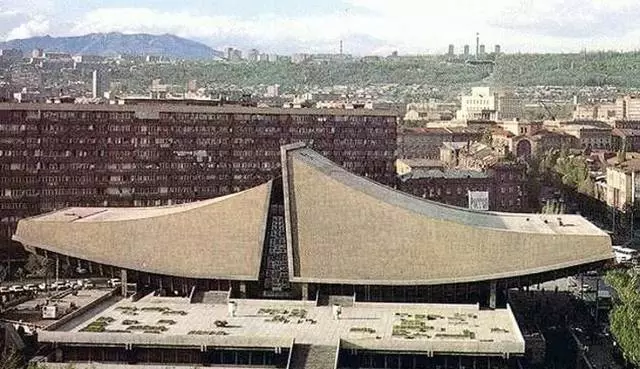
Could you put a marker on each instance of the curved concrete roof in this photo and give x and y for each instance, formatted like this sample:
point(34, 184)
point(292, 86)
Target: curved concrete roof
point(220, 238)
point(342, 228)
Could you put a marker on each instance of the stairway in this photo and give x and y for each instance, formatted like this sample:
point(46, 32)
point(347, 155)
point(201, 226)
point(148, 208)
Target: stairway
point(197, 297)
point(328, 300)
point(215, 297)
point(344, 301)
point(313, 357)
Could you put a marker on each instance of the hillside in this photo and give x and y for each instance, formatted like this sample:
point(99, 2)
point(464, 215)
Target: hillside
point(290, 75)
point(111, 44)
point(511, 70)
point(583, 69)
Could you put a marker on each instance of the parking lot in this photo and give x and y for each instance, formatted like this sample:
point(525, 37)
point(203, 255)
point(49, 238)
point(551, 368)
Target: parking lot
point(31, 311)
point(38, 285)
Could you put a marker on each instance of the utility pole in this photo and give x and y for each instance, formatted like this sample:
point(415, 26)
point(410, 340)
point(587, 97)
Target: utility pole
point(57, 267)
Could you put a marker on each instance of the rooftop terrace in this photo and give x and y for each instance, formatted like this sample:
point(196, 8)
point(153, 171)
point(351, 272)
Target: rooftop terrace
point(259, 323)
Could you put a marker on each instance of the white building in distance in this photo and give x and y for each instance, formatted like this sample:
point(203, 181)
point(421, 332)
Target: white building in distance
point(480, 105)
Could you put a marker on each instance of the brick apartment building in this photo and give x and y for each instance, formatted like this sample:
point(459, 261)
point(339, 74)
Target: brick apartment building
point(58, 155)
point(590, 136)
point(508, 190)
point(543, 141)
point(504, 182)
point(626, 133)
point(626, 138)
point(426, 142)
point(446, 185)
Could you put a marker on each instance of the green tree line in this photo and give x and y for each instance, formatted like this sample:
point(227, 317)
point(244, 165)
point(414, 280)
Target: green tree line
point(625, 316)
point(293, 77)
point(581, 69)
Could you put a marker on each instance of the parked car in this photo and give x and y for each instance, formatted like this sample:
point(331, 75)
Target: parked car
point(59, 285)
point(114, 282)
point(88, 284)
point(16, 288)
point(5, 289)
point(30, 287)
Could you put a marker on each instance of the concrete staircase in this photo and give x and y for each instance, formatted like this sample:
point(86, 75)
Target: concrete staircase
point(328, 300)
point(313, 357)
point(215, 297)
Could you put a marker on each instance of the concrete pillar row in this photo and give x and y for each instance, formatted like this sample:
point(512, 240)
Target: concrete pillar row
point(123, 280)
point(492, 294)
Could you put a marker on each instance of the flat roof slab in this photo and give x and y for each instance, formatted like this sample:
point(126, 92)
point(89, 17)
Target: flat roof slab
point(263, 323)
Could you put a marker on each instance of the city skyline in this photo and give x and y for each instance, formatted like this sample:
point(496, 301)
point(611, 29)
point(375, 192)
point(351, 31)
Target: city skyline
point(366, 27)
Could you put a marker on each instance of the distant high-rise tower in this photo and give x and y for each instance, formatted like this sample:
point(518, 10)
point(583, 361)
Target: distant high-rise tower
point(340, 47)
point(237, 55)
point(497, 49)
point(477, 44)
point(482, 50)
point(451, 50)
point(97, 85)
point(253, 55)
point(466, 50)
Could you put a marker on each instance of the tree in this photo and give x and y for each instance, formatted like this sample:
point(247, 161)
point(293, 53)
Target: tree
point(19, 274)
point(39, 266)
point(547, 162)
point(11, 359)
point(573, 170)
point(587, 186)
point(625, 315)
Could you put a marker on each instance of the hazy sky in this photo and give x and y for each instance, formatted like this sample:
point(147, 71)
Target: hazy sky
point(366, 26)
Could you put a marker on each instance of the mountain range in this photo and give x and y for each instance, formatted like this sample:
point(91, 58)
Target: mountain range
point(115, 43)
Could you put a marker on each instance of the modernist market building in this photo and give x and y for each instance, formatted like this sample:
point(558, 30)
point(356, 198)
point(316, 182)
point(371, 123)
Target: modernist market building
point(320, 231)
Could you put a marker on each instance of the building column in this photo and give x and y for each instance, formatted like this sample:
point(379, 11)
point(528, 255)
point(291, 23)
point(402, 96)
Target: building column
point(243, 289)
point(131, 355)
point(123, 280)
point(492, 294)
point(305, 291)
